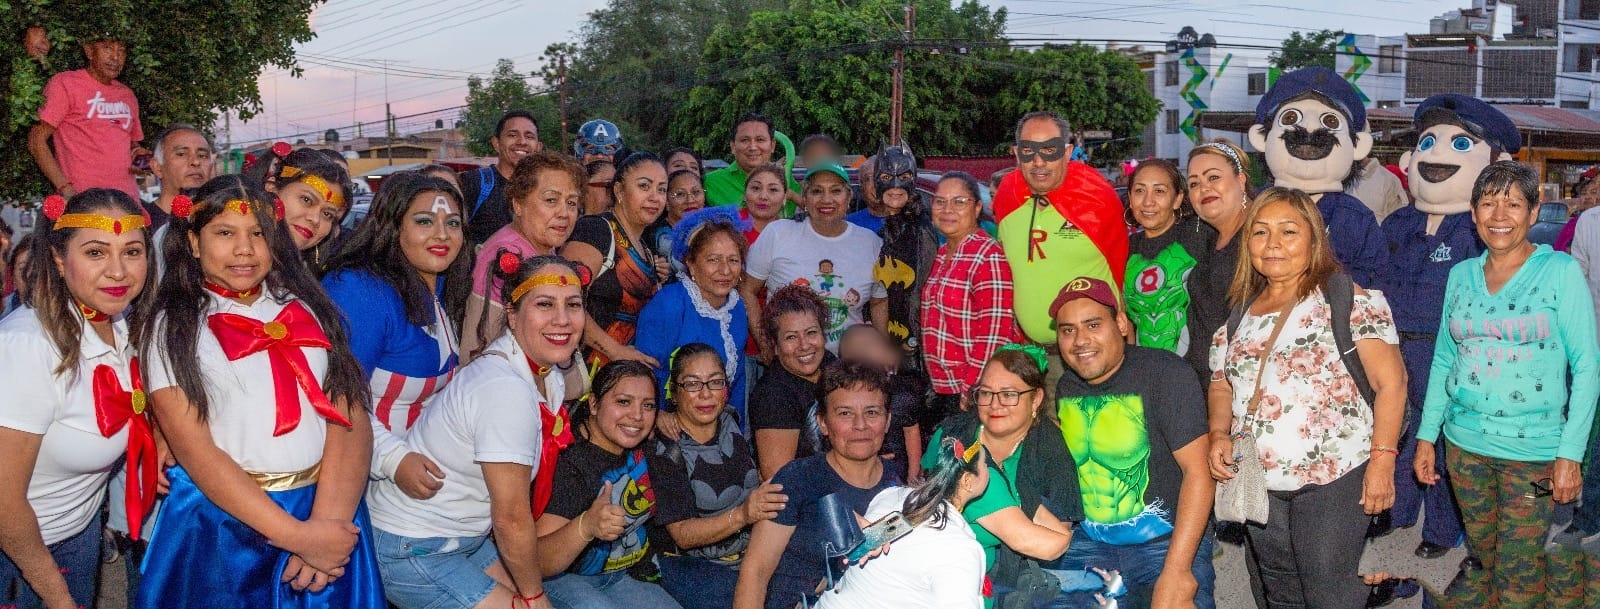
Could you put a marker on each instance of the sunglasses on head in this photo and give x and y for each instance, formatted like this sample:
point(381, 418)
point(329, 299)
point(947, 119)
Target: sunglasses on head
point(1050, 150)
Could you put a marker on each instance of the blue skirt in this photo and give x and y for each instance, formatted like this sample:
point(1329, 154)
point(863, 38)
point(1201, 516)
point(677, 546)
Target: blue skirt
point(200, 556)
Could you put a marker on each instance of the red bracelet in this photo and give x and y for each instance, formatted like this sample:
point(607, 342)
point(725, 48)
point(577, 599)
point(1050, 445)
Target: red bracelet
point(1385, 449)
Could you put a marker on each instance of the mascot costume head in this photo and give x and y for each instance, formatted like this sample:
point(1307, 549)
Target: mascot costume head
point(1313, 130)
point(1457, 136)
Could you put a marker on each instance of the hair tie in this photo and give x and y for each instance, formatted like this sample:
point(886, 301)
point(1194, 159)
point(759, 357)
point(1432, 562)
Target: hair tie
point(282, 149)
point(54, 206)
point(966, 453)
point(509, 262)
point(1034, 351)
point(182, 206)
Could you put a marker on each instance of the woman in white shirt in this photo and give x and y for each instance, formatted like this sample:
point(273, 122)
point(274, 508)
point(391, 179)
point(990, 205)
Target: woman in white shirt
point(264, 408)
point(472, 543)
point(939, 564)
point(72, 406)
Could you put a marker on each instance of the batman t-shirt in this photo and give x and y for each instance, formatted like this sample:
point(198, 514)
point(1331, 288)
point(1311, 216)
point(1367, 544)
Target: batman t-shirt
point(904, 263)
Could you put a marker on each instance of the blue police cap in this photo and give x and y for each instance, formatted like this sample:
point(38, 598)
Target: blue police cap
point(1314, 79)
point(1494, 123)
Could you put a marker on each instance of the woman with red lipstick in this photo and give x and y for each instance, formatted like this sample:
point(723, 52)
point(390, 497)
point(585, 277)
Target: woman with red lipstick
point(783, 402)
point(613, 248)
point(73, 405)
point(498, 425)
point(312, 188)
point(593, 539)
point(1218, 191)
point(264, 408)
point(400, 282)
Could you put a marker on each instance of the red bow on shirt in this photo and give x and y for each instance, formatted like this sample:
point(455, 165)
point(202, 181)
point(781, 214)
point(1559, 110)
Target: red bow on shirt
point(557, 437)
point(281, 338)
point(114, 409)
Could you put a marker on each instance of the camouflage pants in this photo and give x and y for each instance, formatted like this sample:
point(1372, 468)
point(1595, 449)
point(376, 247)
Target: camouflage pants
point(1506, 526)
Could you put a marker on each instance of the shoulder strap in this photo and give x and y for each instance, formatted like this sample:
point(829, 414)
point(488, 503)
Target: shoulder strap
point(611, 252)
point(486, 182)
point(1272, 341)
point(1340, 292)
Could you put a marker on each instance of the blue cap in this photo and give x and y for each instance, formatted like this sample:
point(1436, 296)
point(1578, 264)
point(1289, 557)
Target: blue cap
point(1494, 123)
point(1314, 79)
point(597, 133)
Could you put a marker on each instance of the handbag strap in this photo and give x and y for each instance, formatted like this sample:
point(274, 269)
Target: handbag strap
point(1272, 341)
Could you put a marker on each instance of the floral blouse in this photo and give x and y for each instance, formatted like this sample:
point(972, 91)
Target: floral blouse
point(1312, 425)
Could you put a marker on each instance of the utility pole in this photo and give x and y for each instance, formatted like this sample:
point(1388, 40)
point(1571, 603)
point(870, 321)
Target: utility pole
point(561, 89)
point(897, 97)
point(388, 127)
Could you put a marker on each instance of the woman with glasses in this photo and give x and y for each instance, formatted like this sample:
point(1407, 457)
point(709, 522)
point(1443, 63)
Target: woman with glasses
point(685, 194)
point(966, 303)
point(708, 492)
point(1029, 468)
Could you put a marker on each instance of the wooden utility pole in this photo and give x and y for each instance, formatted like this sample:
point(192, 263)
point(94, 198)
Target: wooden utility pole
point(897, 97)
point(561, 89)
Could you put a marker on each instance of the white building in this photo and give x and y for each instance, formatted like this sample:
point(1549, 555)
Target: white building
point(1195, 76)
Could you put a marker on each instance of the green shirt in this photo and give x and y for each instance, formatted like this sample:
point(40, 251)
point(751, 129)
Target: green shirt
point(1045, 252)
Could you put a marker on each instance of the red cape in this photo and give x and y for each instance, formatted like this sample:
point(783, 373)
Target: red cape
point(1084, 198)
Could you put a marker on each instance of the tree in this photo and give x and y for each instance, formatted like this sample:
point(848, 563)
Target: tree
point(1092, 89)
point(506, 90)
point(1306, 50)
point(185, 63)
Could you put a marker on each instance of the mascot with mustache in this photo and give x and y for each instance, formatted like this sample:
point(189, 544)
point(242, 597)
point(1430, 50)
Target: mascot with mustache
point(1457, 136)
point(1313, 130)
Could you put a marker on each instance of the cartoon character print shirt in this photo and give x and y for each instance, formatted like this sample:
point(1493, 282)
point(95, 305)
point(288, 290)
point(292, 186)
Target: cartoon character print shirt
point(838, 269)
point(1156, 288)
point(581, 474)
point(1122, 433)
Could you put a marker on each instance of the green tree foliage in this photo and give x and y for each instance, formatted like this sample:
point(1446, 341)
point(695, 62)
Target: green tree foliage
point(1306, 50)
point(506, 90)
point(186, 62)
point(1092, 89)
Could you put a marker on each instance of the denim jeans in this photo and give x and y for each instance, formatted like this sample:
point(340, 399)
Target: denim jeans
point(698, 583)
point(1140, 566)
point(616, 590)
point(435, 571)
point(77, 556)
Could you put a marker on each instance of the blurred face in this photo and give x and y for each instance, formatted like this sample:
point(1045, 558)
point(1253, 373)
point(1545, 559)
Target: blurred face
point(517, 139)
point(764, 196)
point(799, 344)
point(310, 216)
point(1042, 155)
point(827, 198)
point(1280, 242)
point(642, 194)
point(104, 271)
point(995, 414)
point(548, 320)
point(854, 421)
point(1154, 201)
point(1215, 192)
point(185, 162)
point(430, 233)
point(681, 161)
point(716, 268)
point(600, 188)
point(624, 416)
point(233, 251)
point(1503, 220)
point(955, 209)
point(869, 348)
point(545, 217)
point(1092, 339)
point(106, 58)
point(683, 196)
point(752, 145)
point(702, 405)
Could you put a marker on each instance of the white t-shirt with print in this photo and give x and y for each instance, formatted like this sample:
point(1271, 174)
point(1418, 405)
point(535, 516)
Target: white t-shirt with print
point(839, 269)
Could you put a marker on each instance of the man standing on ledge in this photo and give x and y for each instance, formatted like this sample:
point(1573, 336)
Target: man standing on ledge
point(1058, 219)
point(94, 120)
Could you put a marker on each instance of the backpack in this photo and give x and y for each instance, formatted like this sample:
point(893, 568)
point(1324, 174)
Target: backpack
point(487, 178)
point(1340, 292)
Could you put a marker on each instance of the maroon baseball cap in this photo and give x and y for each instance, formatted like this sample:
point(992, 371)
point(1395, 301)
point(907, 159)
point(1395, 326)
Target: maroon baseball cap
point(1085, 287)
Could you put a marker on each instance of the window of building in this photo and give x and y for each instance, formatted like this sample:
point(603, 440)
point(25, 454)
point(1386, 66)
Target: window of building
point(1579, 58)
point(1389, 59)
point(1582, 9)
point(1172, 120)
point(1258, 83)
point(1573, 104)
point(1172, 73)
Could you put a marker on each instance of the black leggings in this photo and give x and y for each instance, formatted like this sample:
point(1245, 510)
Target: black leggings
point(1310, 549)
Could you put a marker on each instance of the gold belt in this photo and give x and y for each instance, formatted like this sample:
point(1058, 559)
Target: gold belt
point(289, 481)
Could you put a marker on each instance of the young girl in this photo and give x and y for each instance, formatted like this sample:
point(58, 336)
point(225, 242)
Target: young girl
point(264, 409)
point(314, 194)
point(73, 405)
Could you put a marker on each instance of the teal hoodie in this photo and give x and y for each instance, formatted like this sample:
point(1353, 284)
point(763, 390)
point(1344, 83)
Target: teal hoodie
point(1501, 364)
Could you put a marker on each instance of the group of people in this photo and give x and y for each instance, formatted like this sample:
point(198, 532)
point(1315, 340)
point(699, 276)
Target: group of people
point(609, 379)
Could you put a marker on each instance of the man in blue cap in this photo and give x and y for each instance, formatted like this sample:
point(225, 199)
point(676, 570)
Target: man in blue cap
point(1313, 130)
point(598, 140)
point(1457, 136)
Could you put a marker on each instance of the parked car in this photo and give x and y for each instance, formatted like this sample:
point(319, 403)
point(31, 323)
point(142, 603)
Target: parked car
point(1552, 217)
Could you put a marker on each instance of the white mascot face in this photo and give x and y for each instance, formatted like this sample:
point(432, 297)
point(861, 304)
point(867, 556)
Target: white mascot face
point(1443, 167)
point(1310, 145)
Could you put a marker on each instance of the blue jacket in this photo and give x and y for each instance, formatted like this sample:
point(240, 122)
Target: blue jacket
point(1419, 265)
point(1357, 241)
point(670, 321)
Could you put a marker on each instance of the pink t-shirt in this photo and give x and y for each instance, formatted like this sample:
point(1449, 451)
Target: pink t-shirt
point(96, 125)
point(484, 283)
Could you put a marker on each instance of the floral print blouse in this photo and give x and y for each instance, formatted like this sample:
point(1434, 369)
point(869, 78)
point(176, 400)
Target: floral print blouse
point(1312, 425)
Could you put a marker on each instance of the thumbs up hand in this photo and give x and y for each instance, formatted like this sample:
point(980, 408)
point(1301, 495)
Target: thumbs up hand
point(604, 520)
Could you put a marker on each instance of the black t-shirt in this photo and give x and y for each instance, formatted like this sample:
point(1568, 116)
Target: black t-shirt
point(1208, 309)
point(1147, 410)
point(158, 218)
point(806, 481)
point(781, 400)
point(906, 391)
point(604, 298)
point(494, 213)
point(580, 475)
point(697, 480)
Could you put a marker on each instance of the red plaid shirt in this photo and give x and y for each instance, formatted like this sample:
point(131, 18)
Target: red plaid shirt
point(966, 312)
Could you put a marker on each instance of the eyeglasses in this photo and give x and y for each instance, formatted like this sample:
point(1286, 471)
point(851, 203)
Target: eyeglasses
point(696, 386)
point(951, 203)
point(984, 397)
point(680, 194)
point(1541, 488)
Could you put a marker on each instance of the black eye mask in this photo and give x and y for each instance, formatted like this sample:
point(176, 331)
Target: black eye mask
point(1026, 150)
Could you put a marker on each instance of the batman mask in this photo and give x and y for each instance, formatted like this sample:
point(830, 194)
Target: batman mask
point(896, 168)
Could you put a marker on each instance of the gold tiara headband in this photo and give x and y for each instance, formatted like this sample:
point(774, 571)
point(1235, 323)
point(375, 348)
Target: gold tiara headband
point(55, 208)
point(543, 279)
point(336, 197)
point(183, 207)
